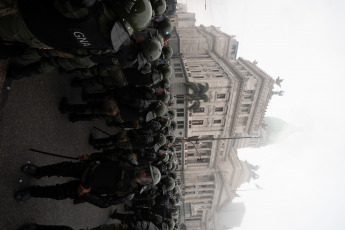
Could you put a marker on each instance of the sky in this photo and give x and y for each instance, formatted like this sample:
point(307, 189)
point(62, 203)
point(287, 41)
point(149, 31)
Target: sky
point(301, 41)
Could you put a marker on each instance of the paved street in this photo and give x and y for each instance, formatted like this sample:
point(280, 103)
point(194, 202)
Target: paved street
point(30, 118)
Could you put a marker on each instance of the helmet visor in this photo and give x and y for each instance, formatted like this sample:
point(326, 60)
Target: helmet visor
point(143, 176)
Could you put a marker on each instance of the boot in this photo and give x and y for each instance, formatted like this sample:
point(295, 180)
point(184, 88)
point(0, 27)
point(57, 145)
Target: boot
point(24, 71)
point(29, 169)
point(7, 51)
point(23, 195)
point(63, 105)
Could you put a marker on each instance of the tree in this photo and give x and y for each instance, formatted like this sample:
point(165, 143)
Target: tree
point(199, 93)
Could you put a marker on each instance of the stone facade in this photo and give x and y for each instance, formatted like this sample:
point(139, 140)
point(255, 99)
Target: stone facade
point(239, 93)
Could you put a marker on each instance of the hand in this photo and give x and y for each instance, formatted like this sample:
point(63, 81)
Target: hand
point(83, 157)
point(82, 191)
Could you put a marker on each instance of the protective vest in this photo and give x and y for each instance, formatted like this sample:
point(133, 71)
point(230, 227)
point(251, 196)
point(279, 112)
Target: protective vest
point(60, 32)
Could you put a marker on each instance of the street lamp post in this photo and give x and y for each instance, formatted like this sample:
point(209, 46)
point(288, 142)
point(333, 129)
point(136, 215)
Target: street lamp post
point(196, 138)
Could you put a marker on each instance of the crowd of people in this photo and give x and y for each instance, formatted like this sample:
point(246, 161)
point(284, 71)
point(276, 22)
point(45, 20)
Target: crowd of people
point(121, 47)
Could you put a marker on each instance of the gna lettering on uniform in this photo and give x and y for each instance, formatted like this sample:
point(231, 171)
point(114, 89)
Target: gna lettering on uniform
point(81, 38)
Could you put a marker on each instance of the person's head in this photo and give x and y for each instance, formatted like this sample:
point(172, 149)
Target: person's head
point(165, 70)
point(168, 224)
point(167, 52)
point(172, 114)
point(171, 139)
point(163, 156)
point(158, 6)
point(160, 140)
point(173, 125)
point(134, 15)
point(164, 27)
point(147, 175)
point(164, 97)
point(165, 122)
point(174, 176)
point(166, 37)
point(158, 109)
point(151, 49)
point(168, 184)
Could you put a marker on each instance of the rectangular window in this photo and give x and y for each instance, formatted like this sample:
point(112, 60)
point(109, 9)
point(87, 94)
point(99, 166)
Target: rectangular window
point(177, 65)
point(198, 76)
point(180, 112)
point(221, 95)
point(197, 122)
point(219, 109)
point(180, 124)
point(219, 76)
point(217, 121)
point(199, 110)
point(247, 96)
point(245, 110)
point(178, 70)
point(179, 101)
point(178, 75)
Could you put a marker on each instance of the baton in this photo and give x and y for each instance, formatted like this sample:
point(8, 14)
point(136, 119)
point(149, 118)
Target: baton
point(53, 154)
point(102, 131)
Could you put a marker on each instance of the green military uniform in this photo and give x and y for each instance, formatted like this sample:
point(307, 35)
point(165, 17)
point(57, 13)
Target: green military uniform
point(20, 27)
point(128, 140)
point(109, 78)
point(90, 111)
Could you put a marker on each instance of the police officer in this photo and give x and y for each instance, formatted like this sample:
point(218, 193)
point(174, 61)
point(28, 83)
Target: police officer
point(101, 183)
point(102, 27)
point(90, 111)
point(131, 225)
point(128, 140)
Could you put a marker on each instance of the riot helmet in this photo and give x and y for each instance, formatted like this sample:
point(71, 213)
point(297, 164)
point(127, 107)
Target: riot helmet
point(148, 175)
point(158, 110)
point(166, 122)
point(158, 7)
point(174, 176)
point(166, 70)
point(165, 26)
point(164, 97)
point(173, 149)
point(151, 49)
point(135, 15)
point(167, 52)
point(168, 184)
point(160, 140)
point(171, 139)
point(172, 114)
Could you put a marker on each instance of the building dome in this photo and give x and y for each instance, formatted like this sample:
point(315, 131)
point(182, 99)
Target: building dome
point(275, 127)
